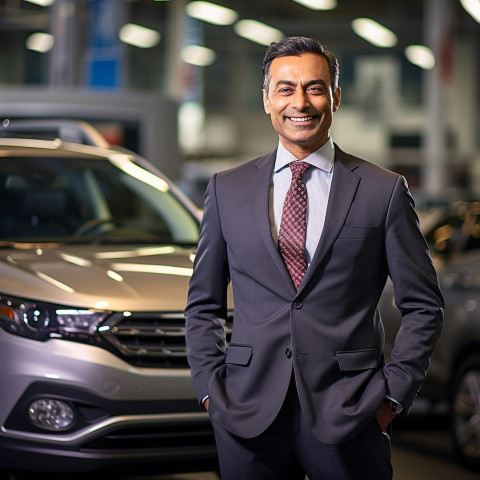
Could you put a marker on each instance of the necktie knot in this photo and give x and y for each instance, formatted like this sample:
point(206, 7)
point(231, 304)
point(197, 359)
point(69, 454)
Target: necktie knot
point(298, 169)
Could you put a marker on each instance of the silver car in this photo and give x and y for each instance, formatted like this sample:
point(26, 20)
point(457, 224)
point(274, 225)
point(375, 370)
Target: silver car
point(95, 258)
point(453, 235)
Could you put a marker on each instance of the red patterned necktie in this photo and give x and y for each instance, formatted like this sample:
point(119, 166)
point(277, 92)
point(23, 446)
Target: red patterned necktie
point(293, 227)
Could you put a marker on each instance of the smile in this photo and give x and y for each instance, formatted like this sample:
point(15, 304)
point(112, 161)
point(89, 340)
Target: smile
point(300, 119)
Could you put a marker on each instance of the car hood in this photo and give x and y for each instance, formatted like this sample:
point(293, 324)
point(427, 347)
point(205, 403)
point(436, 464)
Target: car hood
point(137, 278)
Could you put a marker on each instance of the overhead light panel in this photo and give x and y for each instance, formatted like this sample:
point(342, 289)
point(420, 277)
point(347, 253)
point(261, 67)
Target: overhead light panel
point(40, 42)
point(198, 55)
point(257, 32)
point(139, 36)
point(373, 32)
point(211, 13)
point(421, 56)
point(318, 4)
point(472, 7)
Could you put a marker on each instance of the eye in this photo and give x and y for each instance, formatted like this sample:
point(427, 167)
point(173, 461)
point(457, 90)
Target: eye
point(284, 90)
point(317, 90)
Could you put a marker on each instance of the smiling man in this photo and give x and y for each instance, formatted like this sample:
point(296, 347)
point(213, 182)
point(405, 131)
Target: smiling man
point(307, 236)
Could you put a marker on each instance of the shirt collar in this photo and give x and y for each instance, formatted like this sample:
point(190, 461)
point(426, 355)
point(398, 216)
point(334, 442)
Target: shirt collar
point(322, 158)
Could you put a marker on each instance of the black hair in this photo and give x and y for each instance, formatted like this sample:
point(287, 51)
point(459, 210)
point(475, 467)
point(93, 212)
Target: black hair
point(296, 46)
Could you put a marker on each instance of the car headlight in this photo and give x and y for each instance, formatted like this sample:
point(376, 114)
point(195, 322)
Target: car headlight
point(41, 320)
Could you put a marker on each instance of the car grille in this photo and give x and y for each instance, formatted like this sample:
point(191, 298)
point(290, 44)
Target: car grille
point(151, 339)
point(163, 438)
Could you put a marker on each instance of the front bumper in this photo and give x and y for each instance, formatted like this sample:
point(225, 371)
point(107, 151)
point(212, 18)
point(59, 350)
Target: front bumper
point(125, 417)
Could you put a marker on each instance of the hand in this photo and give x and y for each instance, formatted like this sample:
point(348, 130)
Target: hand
point(384, 415)
point(206, 403)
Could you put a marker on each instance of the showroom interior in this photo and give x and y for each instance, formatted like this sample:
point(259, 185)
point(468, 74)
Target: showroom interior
point(420, 119)
point(180, 83)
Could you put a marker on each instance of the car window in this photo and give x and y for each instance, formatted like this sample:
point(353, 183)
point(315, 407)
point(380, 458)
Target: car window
point(45, 198)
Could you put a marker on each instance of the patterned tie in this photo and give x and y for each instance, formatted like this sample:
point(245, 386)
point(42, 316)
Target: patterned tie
point(293, 227)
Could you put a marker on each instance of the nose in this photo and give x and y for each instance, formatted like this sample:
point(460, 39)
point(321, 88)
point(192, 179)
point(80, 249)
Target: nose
point(300, 99)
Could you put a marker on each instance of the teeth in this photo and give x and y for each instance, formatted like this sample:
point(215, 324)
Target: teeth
point(300, 119)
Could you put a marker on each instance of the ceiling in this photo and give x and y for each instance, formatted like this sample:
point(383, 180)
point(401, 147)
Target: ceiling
point(405, 18)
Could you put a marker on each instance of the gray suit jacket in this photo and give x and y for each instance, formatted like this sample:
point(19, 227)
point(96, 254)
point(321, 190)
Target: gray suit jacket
point(329, 332)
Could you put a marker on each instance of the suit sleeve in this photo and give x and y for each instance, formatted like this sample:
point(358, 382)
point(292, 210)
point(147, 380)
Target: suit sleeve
point(206, 309)
point(417, 296)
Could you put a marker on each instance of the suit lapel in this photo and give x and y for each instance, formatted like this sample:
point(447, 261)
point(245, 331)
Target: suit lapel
point(342, 192)
point(260, 192)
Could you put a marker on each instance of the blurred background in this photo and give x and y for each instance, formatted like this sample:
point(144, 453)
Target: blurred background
point(180, 81)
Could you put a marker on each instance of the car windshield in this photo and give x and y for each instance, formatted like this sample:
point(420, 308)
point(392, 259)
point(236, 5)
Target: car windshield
point(53, 198)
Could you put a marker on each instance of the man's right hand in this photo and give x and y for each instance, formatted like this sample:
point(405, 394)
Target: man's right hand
point(205, 404)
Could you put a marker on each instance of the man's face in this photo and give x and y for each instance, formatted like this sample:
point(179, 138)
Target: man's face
point(300, 102)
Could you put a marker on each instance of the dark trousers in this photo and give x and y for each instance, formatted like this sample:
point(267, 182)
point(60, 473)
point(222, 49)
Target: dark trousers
point(288, 450)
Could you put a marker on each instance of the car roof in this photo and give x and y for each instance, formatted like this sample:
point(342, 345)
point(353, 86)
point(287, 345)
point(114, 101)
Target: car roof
point(36, 147)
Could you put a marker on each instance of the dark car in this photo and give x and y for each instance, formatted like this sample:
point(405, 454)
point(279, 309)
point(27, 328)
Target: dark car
point(453, 235)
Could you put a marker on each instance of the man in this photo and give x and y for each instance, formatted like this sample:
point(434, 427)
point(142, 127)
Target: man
point(303, 387)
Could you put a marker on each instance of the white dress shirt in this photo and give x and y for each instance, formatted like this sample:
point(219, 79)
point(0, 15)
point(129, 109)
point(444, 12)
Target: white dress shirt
point(317, 179)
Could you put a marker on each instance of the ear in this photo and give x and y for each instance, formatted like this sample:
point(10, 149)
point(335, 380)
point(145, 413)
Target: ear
point(336, 99)
point(266, 103)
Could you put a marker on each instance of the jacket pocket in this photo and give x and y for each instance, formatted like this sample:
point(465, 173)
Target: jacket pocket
point(352, 360)
point(239, 354)
point(358, 232)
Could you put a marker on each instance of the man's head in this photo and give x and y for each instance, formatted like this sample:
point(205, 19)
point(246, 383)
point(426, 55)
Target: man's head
point(296, 46)
point(301, 93)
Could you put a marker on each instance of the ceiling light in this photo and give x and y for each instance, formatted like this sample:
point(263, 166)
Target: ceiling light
point(374, 33)
point(421, 56)
point(257, 32)
point(197, 55)
point(472, 7)
point(211, 13)
point(139, 36)
point(40, 42)
point(318, 4)
point(42, 3)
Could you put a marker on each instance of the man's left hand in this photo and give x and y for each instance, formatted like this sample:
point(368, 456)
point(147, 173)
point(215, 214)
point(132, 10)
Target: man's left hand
point(385, 415)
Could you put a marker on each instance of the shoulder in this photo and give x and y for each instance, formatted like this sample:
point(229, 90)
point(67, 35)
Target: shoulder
point(363, 167)
point(373, 178)
point(248, 168)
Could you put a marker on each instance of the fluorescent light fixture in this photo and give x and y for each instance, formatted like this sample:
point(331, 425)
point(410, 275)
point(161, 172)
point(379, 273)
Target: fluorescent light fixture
point(42, 3)
point(197, 55)
point(421, 56)
point(139, 36)
point(374, 33)
point(318, 4)
point(211, 13)
point(472, 7)
point(40, 42)
point(257, 32)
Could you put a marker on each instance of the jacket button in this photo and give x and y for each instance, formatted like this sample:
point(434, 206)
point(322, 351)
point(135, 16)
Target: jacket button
point(288, 353)
point(297, 305)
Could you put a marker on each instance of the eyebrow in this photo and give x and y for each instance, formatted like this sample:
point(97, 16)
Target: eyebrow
point(308, 84)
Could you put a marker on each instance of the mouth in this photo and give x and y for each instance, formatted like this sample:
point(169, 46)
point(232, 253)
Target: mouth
point(301, 120)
